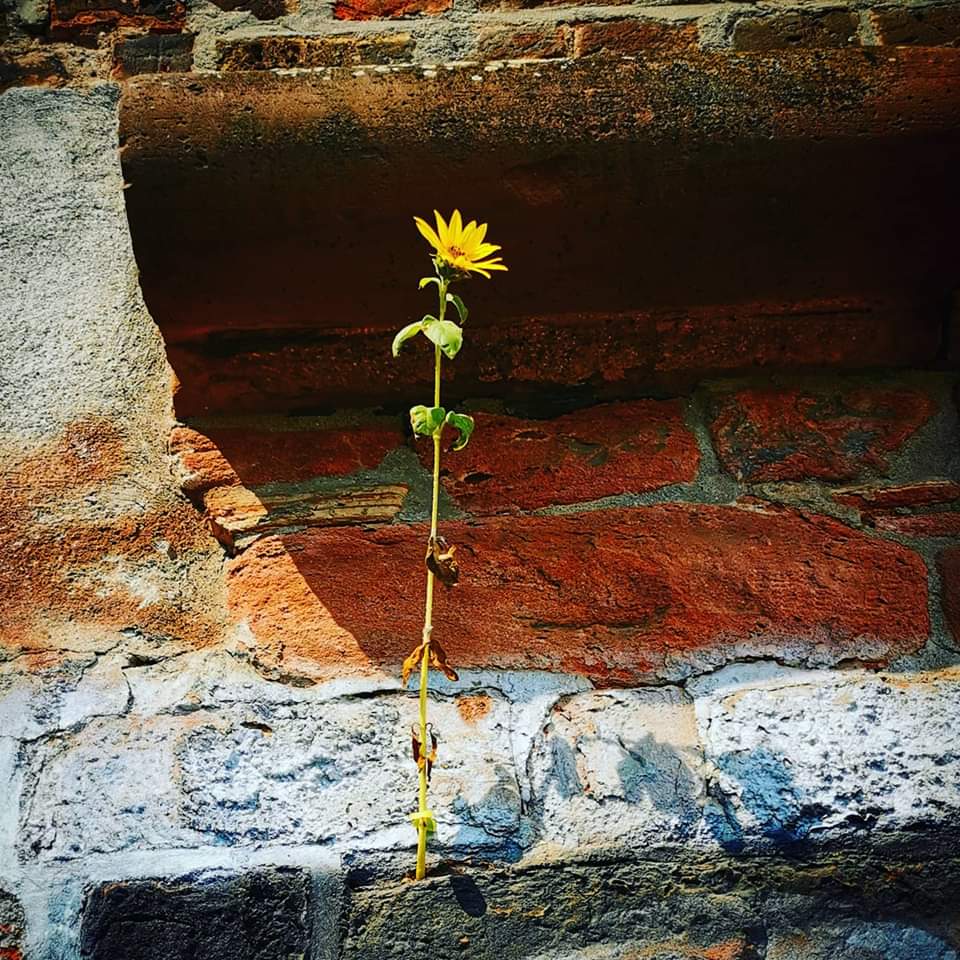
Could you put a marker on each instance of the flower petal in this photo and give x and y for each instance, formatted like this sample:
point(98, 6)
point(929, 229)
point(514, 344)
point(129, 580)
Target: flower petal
point(456, 228)
point(443, 231)
point(427, 231)
point(491, 264)
point(485, 249)
point(466, 236)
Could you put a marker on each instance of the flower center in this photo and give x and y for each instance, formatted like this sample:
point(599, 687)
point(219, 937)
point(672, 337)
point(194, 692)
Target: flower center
point(456, 252)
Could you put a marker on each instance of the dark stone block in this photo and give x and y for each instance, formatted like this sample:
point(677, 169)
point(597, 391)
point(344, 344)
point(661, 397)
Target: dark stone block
point(263, 915)
point(153, 53)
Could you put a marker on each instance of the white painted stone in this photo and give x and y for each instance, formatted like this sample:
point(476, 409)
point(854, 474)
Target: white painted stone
point(808, 757)
point(618, 768)
point(35, 704)
point(335, 772)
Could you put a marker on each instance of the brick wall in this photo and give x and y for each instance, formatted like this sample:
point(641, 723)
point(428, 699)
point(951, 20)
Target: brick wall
point(708, 624)
point(72, 41)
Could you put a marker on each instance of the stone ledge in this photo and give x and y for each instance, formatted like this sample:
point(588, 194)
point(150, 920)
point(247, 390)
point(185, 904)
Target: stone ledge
point(204, 754)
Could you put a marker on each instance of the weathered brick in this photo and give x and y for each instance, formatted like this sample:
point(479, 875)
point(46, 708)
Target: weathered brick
point(11, 927)
point(385, 9)
point(613, 448)
point(82, 575)
point(616, 595)
point(664, 350)
point(238, 515)
point(795, 434)
point(634, 37)
point(261, 9)
point(153, 53)
point(873, 499)
point(809, 28)
point(31, 68)
point(931, 26)
point(86, 17)
point(261, 915)
point(224, 455)
point(940, 524)
point(522, 43)
point(948, 564)
point(335, 50)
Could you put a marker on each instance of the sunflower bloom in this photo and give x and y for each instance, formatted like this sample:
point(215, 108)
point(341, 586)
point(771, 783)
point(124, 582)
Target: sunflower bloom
point(461, 247)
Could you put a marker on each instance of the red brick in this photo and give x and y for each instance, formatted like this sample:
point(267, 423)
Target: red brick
point(524, 43)
point(336, 50)
point(84, 17)
point(614, 448)
point(70, 572)
point(252, 456)
point(794, 434)
point(220, 469)
point(384, 9)
point(948, 563)
point(634, 37)
point(931, 26)
point(944, 524)
point(872, 499)
point(667, 350)
point(619, 596)
point(809, 28)
point(31, 68)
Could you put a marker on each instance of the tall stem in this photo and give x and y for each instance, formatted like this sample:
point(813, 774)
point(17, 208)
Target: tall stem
point(428, 614)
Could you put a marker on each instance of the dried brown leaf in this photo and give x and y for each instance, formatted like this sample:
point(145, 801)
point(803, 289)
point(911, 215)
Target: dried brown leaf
point(411, 663)
point(441, 562)
point(438, 660)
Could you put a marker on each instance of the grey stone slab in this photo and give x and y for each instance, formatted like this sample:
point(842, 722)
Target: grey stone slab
point(857, 940)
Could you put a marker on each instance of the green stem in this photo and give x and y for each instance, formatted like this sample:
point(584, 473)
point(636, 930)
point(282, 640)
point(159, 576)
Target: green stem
point(428, 614)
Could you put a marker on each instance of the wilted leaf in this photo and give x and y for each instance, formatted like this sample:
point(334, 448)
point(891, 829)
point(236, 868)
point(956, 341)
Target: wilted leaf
point(411, 663)
point(418, 755)
point(426, 420)
point(463, 425)
point(426, 280)
point(445, 334)
point(438, 660)
point(441, 562)
point(410, 330)
point(460, 305)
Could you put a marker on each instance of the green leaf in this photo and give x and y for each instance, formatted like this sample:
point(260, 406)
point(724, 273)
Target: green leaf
point(426, 420)
point(463, 425)
point(460, 305)
point(426, 280)
point(410, 330)
point(445, 334)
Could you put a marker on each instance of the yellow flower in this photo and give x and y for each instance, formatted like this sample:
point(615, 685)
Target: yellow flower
point(460, 246)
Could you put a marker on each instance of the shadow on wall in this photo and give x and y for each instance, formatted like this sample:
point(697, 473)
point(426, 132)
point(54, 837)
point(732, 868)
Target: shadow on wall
point(290, 274)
